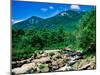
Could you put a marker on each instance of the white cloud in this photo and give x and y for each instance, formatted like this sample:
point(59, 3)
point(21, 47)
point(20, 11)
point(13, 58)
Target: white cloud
point(51, 7)
point(44, 9)
point(76, 7)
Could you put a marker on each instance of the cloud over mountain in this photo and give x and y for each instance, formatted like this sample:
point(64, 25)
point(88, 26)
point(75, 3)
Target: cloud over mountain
point(75, 7)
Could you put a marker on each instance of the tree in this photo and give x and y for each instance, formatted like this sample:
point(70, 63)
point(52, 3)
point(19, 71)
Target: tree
point(87, 30)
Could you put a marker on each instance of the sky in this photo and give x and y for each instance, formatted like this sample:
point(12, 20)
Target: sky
point(23, 10)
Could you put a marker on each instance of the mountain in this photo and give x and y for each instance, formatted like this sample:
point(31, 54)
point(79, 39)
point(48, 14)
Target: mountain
point(28, 22)
point(67, 19)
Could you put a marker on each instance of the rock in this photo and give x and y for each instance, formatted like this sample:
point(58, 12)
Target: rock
point(41, 52)
point(75, 57)
point(85, 67)
point(88, 66)
point(67, 48)
point(38, 56)
point(57, 64)
point(41, 55)
point(37, 70)
point(85, 64)
point(76, 53)
point(92, 66)
point(51, 53)
point(54, 62)
point(44, 55)
point(65, 68)
point(33, 56)
point(24, 69)
point(71, 62)
point(65, 56)
point(29, 60)
point(42, 60)
point(18, 63)
point(56, 56)
point(60, 62)
point(54, 65)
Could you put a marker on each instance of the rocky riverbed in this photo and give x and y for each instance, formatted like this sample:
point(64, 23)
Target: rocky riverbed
point(52, 61)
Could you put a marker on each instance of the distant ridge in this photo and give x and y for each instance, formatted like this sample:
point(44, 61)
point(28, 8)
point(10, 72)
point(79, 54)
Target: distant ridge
point(66, 18)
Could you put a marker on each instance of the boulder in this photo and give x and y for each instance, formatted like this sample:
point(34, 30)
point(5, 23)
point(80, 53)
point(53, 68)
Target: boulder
point(24, 69)
point(41, 60)
point(18, 63)
point(60, 62)
point(71, 62)
point(38, 56)
point(51, 53)
point(44, 55)
point(56, 56)
point(65, 68)
point(57, 64)
point(54, 65)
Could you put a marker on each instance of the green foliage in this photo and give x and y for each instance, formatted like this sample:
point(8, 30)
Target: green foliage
point(85, 35)
point(41, 66)
point(30, 40)
point(87, 30)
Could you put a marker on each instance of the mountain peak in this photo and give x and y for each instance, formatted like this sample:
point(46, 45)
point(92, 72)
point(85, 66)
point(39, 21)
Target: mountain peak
point(63, 18)
point(69, 13)
point(64, 13)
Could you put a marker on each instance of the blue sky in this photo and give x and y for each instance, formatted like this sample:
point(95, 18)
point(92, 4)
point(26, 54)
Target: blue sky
point(23, 10)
